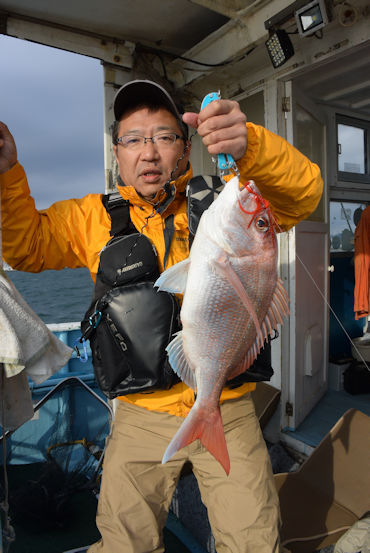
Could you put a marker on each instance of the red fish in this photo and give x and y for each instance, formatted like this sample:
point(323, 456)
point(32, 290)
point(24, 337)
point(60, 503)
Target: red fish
point(233, 300)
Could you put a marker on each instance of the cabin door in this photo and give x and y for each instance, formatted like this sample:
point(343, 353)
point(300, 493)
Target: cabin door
point(304, 256)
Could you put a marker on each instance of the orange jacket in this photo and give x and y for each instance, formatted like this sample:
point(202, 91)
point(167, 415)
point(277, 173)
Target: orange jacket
point(71, 233)
point(362, 266)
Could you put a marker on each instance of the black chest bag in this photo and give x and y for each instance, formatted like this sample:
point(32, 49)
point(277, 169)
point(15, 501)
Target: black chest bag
point(129, 323)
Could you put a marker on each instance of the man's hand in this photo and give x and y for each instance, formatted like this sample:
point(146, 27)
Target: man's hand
point(222, 127)
point(8, 149)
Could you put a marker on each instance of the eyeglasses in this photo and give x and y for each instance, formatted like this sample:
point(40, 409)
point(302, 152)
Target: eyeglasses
point(162, 140)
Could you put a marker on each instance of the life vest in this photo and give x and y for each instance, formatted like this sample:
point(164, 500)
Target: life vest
point(129, 323)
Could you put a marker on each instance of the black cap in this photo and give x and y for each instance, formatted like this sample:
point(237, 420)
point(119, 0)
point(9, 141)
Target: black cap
point(139, 92)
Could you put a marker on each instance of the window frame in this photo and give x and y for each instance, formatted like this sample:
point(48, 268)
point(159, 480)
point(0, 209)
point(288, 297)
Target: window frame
point(347, 176)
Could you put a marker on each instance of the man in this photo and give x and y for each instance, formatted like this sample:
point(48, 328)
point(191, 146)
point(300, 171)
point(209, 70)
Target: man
point(152, 152)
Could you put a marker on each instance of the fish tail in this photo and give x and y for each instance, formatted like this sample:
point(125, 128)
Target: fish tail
point(208, 429)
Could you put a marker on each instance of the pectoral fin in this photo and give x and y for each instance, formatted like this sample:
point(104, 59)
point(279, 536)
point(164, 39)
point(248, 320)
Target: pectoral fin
point(174, 279)
point(179, 363)
point(278, 309)
point(225, 269)
point(246, 362)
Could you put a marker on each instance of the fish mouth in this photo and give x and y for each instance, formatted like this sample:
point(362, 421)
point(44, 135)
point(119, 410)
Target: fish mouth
point(251, 201)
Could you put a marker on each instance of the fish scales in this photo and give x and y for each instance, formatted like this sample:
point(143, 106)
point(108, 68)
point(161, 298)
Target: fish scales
point(233, 300)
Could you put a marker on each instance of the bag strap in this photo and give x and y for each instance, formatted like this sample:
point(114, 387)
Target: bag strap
point(119, 212)
point(201, 191)
point(169, 230)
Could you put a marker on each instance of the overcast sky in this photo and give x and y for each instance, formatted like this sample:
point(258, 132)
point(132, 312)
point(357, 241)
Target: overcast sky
point(52, 102)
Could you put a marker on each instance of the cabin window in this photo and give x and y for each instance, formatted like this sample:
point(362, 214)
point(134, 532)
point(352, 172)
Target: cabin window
point(344, 218)
point(353, 150)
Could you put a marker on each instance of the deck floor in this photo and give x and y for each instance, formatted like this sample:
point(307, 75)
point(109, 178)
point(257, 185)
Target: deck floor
point(326, 413)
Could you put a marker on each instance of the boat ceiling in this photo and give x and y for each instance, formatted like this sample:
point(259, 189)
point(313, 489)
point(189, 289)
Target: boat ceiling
point(230, 31)
point(343, 83)
point(173, 25)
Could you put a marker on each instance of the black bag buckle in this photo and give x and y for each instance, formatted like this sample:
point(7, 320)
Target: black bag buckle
point(94, 320)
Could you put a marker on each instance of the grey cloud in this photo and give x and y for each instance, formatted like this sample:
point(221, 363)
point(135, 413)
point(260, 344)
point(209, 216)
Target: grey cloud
point(49, 187)
point(52, 102)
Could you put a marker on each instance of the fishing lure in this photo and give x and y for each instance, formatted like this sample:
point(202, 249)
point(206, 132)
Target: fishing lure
point(225, 162)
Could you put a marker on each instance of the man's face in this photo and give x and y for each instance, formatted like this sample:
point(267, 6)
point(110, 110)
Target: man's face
point(149, 167)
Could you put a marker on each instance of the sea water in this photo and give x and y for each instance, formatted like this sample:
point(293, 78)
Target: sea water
point(55, 296)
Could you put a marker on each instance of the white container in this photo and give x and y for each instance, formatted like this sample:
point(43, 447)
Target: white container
point(335, 375)
point(362, 347)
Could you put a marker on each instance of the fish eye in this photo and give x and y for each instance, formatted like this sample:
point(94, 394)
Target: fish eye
point(262, 224)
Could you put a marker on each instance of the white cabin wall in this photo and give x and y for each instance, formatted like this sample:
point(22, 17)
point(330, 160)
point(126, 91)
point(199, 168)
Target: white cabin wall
point(114, 78)
point(310, 55)
point(201, 162)
point(253, 107)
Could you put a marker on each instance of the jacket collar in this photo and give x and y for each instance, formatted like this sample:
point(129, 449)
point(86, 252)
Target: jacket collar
point(177, 191)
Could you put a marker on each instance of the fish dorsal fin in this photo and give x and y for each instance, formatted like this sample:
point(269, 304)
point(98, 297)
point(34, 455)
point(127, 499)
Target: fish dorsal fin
point(278, 309)
point(178, 362)
point(174, 279)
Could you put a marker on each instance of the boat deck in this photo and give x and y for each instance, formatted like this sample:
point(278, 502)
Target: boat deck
point(323, 417)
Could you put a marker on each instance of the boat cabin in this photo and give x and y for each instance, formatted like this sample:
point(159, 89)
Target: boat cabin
point(298, 68)
point(301, 69)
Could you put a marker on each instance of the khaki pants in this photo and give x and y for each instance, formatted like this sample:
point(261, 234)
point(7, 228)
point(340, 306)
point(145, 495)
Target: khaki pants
point(137, 489)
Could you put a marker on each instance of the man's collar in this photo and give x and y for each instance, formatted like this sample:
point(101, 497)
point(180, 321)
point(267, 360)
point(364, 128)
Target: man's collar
point(163, 198)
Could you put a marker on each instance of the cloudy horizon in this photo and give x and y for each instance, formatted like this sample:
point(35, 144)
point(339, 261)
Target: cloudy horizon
point(52, 102)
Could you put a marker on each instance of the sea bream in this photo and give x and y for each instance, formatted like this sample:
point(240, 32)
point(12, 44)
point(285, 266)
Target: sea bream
point(233, 299)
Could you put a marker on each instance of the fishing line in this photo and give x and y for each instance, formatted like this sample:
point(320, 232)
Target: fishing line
point(333, 312)
point(346, 216)
point(173, 172)
point(259, 208)
point(328, 304)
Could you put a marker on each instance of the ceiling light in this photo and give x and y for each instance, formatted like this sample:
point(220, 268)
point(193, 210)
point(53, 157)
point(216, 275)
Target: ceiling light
point(311, 17)
point(279, 47)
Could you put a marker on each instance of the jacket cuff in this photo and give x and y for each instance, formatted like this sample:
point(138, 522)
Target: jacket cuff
point(248, 160)
point(12, 173)
point(11, 178)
